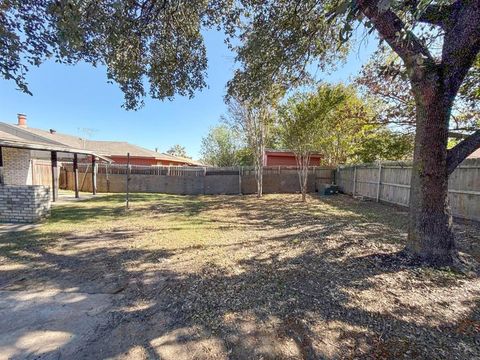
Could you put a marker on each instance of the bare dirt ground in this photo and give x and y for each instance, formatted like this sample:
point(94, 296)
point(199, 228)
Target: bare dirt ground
point(229, 277)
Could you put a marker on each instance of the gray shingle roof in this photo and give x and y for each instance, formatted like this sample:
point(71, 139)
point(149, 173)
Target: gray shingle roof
point(107, 148)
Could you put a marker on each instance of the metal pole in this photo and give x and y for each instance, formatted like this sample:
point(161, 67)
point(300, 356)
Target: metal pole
point(75, 174)
point(128, 179)
point(94, 175)
point(54, 176)
point(379, 181)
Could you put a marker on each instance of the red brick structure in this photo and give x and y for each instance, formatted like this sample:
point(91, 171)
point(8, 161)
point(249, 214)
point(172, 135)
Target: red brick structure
point(287, 158)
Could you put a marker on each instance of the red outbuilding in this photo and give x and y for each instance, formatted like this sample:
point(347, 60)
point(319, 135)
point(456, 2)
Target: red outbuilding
point(287, 158)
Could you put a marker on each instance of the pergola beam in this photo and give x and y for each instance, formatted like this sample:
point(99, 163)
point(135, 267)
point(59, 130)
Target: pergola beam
point(94, 176)
point(75, 174)
point(54, 176)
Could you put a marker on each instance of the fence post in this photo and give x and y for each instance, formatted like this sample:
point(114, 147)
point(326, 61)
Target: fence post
point(379, 181)
point(128, 180)
point(354, 180)
point(94, 175)
point(239, 180)
point(107, 177)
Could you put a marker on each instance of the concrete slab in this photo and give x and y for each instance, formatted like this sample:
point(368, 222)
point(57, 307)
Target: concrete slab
point(49, 324)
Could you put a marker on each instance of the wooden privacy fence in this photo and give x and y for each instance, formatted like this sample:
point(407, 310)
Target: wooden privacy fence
point(192, 180)
point(390, 182)
point(41, 172)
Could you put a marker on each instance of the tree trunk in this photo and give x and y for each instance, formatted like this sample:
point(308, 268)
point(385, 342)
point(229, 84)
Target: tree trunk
point(259, 172)
point(260, 181)
point(302, 159)
point(430, 235)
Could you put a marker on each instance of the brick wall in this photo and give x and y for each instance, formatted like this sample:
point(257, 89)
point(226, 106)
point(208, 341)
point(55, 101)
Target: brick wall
point(17, 167)
point(24, 203)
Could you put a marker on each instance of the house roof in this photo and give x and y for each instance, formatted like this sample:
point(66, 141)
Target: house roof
point(474, 155)
point(106, 148)
point(13, 141)
point(10, 137)
point(121, 148)
point(286, 152)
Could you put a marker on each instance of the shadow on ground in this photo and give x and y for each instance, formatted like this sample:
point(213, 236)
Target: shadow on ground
point(332, 284)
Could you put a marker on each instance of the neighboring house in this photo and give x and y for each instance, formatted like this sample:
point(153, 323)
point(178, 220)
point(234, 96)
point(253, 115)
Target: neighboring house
point(115, 150)
point(474, 155)
point(287, 158)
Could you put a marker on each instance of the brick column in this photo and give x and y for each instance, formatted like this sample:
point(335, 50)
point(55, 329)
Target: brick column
point(17, 167)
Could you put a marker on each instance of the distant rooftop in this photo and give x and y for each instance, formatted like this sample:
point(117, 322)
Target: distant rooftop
point(106, 148)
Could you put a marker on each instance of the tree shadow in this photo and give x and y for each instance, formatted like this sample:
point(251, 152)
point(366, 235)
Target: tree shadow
point(283, 300)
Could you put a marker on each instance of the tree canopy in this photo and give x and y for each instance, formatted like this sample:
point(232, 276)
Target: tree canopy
point(385, 80)
point(178, 150)
point(336, 121)
point(148, 47)
point(220, 147)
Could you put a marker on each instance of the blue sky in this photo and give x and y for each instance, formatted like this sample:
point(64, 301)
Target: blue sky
point(71, 98)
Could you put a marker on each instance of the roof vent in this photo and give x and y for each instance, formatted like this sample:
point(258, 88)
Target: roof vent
point(53, 131)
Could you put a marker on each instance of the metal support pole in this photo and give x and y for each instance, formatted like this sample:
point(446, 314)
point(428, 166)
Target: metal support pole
point(75, 174)
point(379, 182)
point(128, 180)
point(94, 176)
point(54, 176)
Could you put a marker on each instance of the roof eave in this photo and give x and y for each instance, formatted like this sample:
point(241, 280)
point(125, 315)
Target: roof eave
point(46, 147)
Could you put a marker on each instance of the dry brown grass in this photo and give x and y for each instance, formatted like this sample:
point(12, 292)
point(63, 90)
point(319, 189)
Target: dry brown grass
point(240, 277)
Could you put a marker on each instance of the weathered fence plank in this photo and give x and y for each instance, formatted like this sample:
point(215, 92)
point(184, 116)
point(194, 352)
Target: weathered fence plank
point(199, 180)
point(390, 182)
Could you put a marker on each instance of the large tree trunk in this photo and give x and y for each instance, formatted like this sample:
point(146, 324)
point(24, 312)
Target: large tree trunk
point(430, 235)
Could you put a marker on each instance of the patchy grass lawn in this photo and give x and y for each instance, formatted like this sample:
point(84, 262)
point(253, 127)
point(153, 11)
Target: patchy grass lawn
point(210, 277)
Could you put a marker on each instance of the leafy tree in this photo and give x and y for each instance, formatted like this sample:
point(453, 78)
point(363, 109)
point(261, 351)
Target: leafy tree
point(303, 120)
point(254, 120)
point(346, 126)
point(220, 147)
point(384, 78)
point(345, 132)
point(384, 144)
point(279, 38)
point(178, 150)
point(244, 156)
point(158, 43)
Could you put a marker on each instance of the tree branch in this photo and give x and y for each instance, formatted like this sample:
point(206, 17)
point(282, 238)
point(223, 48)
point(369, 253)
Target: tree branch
point(460, 151)
point(457, 135)
point(392, 29)
point(435, 15)
point(461, 44)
